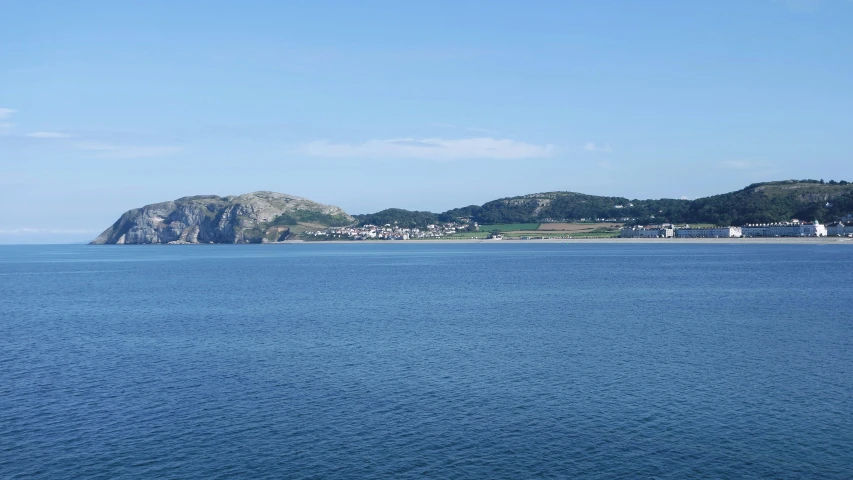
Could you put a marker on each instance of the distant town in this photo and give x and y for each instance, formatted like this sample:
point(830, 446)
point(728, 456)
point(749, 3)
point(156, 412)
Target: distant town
point(460, 229)
point(794, 228)
point(393, 232)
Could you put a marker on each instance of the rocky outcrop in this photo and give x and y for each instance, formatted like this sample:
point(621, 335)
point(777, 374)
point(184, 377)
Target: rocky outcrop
point(257, 217)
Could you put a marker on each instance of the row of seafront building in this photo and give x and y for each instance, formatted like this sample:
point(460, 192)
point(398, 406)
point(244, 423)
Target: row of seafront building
point(783, 229)
point(392, 232)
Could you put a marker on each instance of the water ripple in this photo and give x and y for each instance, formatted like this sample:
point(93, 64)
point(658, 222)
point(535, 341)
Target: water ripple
point(445, 361)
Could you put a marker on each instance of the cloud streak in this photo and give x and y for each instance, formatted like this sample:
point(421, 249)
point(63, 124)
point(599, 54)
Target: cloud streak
point(437, 149)
point(594, 147)
point(6, 127)
point(482, 130)
point(99, 149)
point(28, 230)
point(121, 152)
point(49, 135)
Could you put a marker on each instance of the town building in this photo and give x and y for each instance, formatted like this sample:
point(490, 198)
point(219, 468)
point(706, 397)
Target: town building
point(712, 232)
point(839, 230)
point(646, 232)
point(785, 229)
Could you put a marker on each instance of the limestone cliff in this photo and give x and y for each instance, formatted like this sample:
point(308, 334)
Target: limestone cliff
point(257, 217)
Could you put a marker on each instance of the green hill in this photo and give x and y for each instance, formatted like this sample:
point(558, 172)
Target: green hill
point(776, 201)
point(758, 203)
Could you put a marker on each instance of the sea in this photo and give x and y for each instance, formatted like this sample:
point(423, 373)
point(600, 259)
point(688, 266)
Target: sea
point(426, 360)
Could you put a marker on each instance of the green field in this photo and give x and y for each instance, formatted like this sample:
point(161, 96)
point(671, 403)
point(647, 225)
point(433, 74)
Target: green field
point(529, 230)
point(480, 234)
point(594, 234)
point(509, 227)
point(532, 235)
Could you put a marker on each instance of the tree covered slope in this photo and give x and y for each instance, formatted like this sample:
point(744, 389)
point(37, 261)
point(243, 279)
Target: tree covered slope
point(758, 203)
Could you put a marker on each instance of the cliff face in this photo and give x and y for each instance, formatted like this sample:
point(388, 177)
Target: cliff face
point(257, 217)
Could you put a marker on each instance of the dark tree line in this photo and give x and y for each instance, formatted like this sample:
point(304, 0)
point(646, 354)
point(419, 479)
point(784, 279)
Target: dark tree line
point(398, 216)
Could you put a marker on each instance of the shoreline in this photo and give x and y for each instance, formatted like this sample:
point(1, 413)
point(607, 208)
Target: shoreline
point(656, 241)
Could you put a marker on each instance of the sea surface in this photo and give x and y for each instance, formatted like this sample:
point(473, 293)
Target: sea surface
point(414, 360)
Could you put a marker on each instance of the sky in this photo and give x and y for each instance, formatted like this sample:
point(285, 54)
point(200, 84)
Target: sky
point(425, 105)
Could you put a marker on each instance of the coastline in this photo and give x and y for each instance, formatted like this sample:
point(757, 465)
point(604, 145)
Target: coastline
point(656, 241)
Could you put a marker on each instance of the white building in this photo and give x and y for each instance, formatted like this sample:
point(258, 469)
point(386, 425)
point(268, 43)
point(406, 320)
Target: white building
point(786, 229)
point(814, 229)
point(753, 231)
point(713, 232)
point(839, 230)
point(642, 232)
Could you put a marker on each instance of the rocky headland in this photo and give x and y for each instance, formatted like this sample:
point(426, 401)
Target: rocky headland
point(258, 217)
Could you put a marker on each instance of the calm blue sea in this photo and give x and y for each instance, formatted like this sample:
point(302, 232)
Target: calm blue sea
point(415, 360)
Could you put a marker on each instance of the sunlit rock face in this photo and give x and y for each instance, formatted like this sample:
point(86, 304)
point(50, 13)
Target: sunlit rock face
point(258, 217)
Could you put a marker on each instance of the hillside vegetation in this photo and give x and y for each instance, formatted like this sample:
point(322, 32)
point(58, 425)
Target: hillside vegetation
point(758, 203)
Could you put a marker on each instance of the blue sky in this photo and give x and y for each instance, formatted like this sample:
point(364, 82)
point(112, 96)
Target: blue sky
point(107, 106)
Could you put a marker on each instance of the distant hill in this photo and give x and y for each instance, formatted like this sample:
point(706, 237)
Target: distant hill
point(758, 203)
point(400, 217)
point(413, 219)
point(774, 202)
point(256, 217)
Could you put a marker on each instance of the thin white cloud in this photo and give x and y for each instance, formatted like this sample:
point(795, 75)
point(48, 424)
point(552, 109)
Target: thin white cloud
point(6, 127)
point(100, 149)
point(35, 69)
point(737, 164)
point(28, 230)
point(49, 135)
point(115, 151)
point(481, 130)
point(431, 149)
point(594, 147)
point(467, 129)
